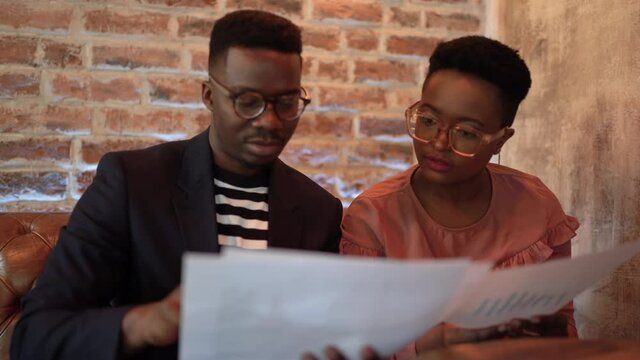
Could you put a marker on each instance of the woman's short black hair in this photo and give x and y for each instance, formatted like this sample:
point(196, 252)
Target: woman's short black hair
point(489, 60)
point(253, 29)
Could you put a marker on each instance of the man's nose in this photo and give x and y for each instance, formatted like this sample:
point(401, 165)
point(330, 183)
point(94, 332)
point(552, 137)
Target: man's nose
point(269, 118)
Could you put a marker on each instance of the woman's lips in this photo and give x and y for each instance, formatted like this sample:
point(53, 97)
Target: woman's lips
point(437, 164)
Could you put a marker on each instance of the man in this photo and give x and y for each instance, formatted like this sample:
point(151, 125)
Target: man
point(111, 286)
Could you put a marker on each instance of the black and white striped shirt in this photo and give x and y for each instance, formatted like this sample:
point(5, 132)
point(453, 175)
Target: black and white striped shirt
point(242, 209)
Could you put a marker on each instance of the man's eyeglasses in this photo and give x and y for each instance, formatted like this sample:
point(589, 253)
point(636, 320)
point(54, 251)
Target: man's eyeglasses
point(249, 105)
point(424, 126)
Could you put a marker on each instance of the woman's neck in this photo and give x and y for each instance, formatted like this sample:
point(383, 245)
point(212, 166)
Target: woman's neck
point(455, 205)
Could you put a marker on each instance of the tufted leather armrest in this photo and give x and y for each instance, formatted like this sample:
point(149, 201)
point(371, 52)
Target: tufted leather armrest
point(26, 239)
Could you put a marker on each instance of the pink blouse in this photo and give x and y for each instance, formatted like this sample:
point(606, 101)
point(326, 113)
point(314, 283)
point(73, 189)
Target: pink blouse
point(524, 224)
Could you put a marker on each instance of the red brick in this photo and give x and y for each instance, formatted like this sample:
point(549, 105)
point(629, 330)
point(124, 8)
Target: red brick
point(321, 38)
point(70, 87)
point(362, 39)
point(176, 90)
point(200, 60)
point(132, 57)
point(405, 18)
point(385, 71)
point(39, 149)
point(390, 155)
point(50, 119)
point(57, 54)
point(333, 70)
point(382, 126)
point(185, 3)
point(456, 21)
point(316, 154)
point(307, 67)
point(283, 7)
point(19, 84)
point(411, 45)
point(119, 89)
point(201, 119)
point(194, 26)
point(36, 16)
point(403, 98)
point(354, 181)
point(18, 50)
point(32, 185)
point(129, 22)
point(93, 150)
point(84, 87)
point(83, 180)
point(350, 99)
point(125, 121)
point(336, 125)
point(368, 11)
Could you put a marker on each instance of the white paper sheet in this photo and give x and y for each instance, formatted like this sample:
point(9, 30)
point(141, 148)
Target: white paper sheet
point(278, 304)
point(528, 291)
point(272, 305)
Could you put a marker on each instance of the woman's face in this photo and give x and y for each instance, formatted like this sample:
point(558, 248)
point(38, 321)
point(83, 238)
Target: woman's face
point(458, 98)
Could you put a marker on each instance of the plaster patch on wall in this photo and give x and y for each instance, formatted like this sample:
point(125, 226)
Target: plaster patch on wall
point(579, 131)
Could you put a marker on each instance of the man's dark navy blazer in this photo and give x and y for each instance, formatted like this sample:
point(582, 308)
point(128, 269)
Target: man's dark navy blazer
point(125, 238)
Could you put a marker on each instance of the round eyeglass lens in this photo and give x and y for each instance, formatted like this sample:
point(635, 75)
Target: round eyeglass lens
point(290, 107)
point(249, 105)
point(425, 127)
point(465, 141)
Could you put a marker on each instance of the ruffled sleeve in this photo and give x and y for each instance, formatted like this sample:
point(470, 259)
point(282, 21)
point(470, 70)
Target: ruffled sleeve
point(563, 232)
point(556, 243)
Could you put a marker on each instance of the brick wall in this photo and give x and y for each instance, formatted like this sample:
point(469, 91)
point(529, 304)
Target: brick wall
point(79, 78)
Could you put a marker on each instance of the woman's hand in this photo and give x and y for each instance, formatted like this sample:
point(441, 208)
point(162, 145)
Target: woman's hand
point(332, 353)
point(550, 325)
point(445, 335)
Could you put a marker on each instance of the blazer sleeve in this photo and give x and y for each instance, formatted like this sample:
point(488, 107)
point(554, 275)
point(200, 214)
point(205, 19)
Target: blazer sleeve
point(68, 315)
point(332, 243)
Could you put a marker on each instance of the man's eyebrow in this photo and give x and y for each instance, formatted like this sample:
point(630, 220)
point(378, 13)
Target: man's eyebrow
point(241, 89)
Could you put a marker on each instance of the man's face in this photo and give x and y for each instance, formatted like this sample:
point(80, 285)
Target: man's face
point(249, 146)
point(458, 98)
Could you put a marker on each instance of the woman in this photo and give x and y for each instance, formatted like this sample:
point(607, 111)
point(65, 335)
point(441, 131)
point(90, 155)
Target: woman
point(454, 203)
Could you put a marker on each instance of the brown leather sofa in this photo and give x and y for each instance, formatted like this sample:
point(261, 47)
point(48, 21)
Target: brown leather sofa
point(26, 239)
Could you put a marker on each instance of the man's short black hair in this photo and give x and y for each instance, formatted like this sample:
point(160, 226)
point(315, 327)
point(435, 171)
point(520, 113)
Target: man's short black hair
point(253, 29)
point(489, 60)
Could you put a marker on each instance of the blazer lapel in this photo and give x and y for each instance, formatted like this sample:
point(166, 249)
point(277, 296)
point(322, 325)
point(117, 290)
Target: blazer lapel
point(285, 226)
point(194, 199)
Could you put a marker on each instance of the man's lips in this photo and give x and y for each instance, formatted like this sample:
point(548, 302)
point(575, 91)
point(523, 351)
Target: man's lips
point(437, 164)
point(265, 147)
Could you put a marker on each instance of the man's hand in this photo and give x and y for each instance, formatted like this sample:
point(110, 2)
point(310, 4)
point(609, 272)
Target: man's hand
point(332, 353)
point(153, 324)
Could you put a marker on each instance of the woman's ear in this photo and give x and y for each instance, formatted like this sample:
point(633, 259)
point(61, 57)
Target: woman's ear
point(508, 133)
point(207, 95)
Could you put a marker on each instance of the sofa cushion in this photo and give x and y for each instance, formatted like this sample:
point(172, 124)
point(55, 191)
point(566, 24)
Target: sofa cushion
point(26, 239)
